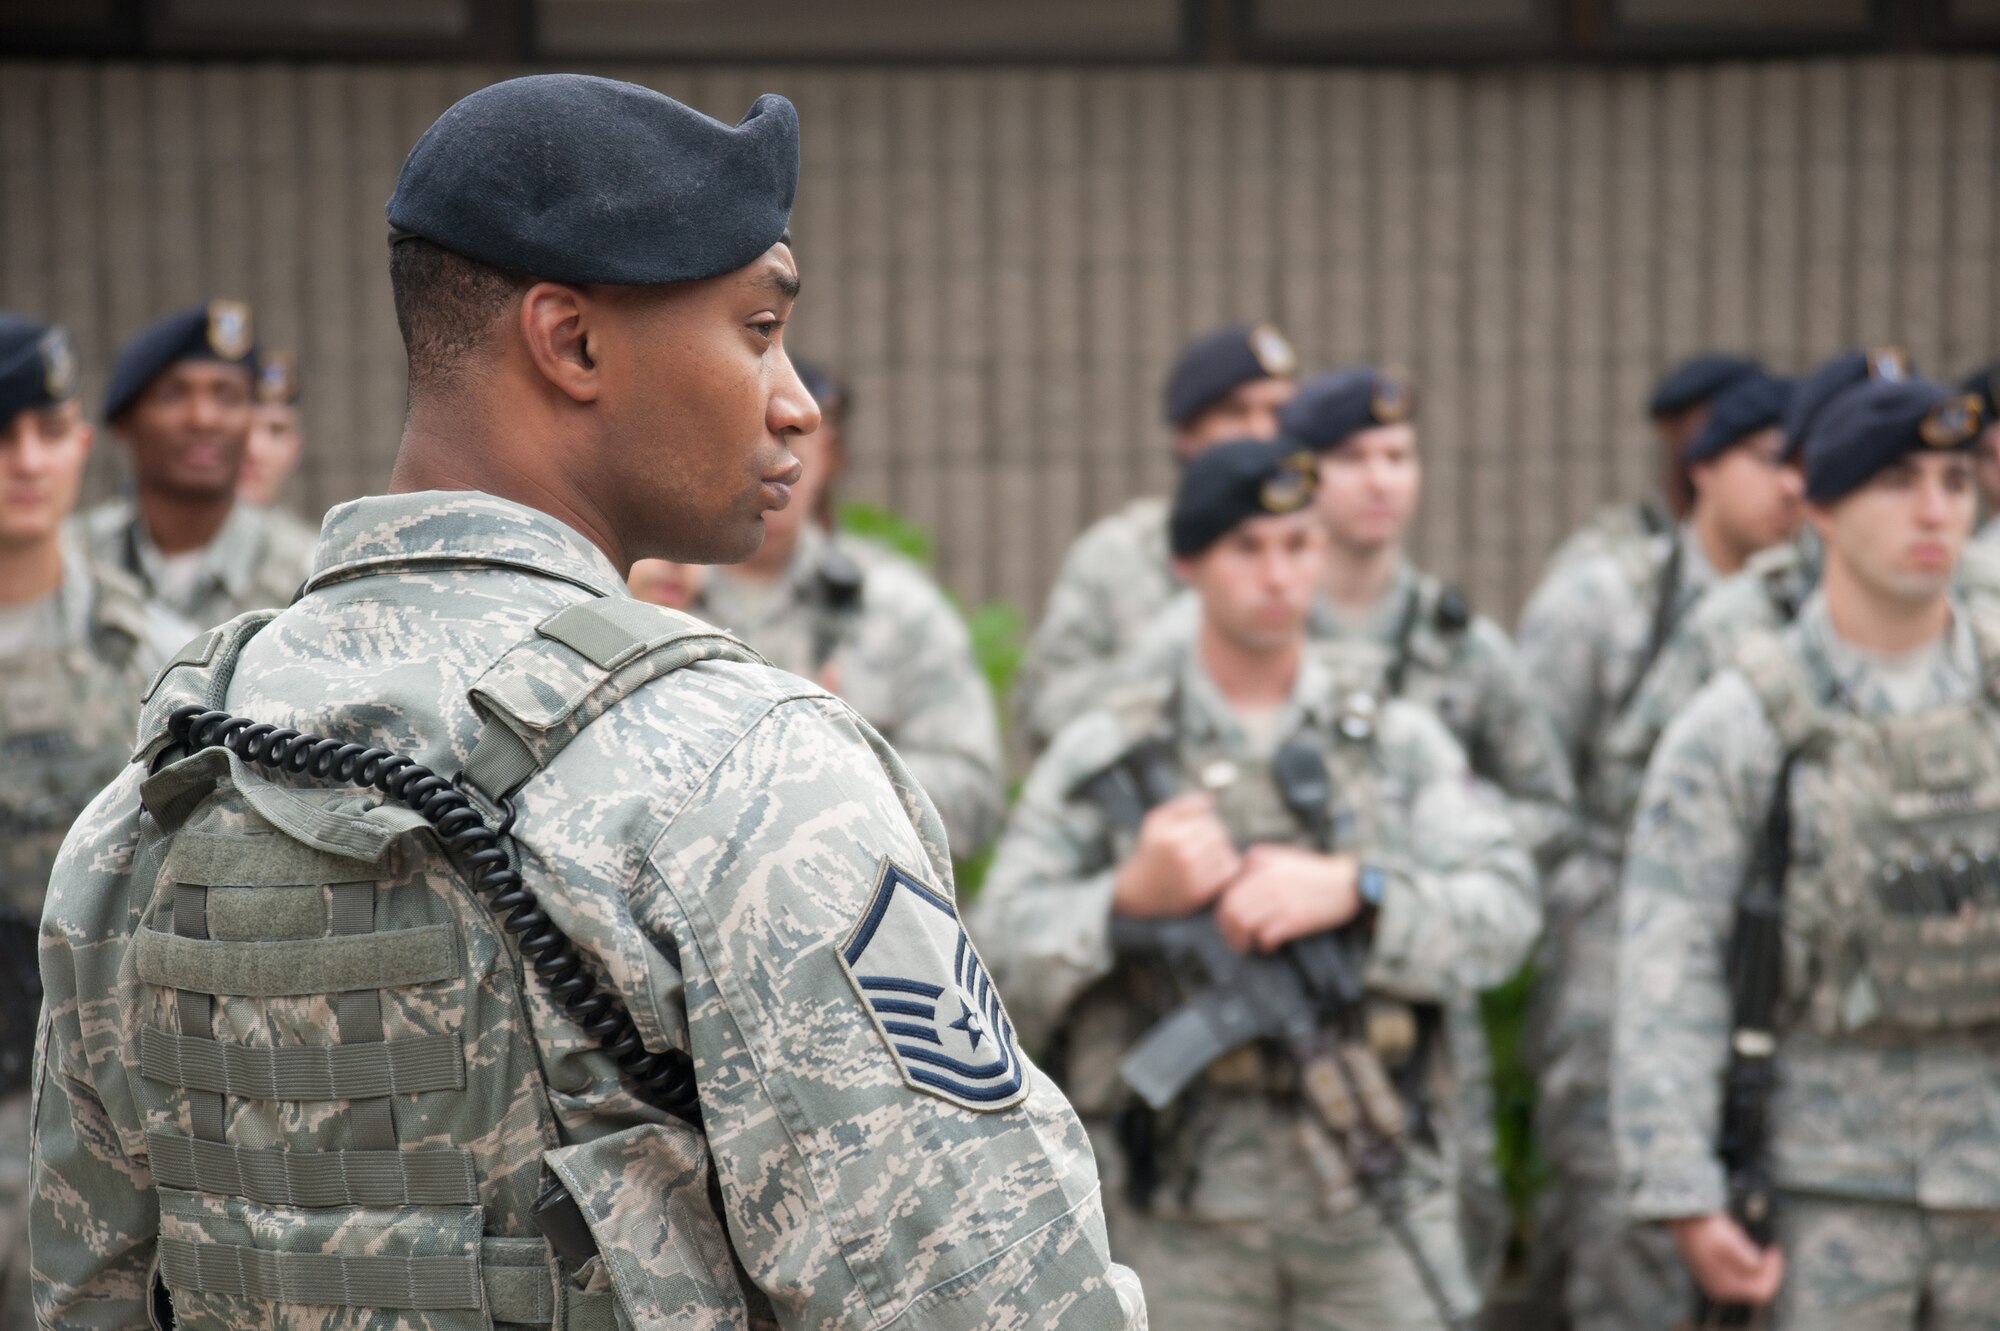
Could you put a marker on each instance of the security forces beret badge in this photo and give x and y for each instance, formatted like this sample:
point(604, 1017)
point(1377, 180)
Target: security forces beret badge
point(1394, 398)
point(930, 998)
point(229, 329)
point(1888, 365)
point(1950, 423)
point(277, 379)
point(1273, 351)
point(58, 364)
point(1291, 484)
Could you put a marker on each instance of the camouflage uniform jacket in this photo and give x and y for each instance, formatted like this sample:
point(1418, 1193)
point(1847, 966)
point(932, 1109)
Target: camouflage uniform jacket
point(67, 709)
point(716, 843)
point(253, 563)
point(1615, 529)
point(1457, 914)
point(905, 663)
point(1117, 576)
point(1890, 1116)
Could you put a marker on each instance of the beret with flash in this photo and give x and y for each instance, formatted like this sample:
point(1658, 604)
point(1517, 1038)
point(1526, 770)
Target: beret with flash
point(219, 331)
point(37, 366)
point(1696, 380)
point(1834, 376)
point(1984, 382)
point(1211, 367)
point(1332, 406)
point(1876, 425)
point(1753, 403)
point(582, 179)
point(1231, 483)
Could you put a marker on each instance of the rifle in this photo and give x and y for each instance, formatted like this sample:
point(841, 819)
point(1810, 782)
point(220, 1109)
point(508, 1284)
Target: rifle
point(1756, 982)
point(1289, 996)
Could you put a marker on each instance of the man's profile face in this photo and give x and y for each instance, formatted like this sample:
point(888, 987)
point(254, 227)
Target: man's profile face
point(42, 452)
point(1257, 583)
point(698, 408)
point(188, 430)
point(1247, 411)
point(1900, 535)
point(1987, 451)
point(1368, 487)
point(272, 454)
point(1752, 490)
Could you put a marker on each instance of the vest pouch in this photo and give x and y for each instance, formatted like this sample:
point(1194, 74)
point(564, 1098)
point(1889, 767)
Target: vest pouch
point(644, 1193)
point(1930, 972)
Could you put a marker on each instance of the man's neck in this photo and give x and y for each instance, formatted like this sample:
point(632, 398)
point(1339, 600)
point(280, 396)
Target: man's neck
point(1246, 679)
point(1722, 555)
point(30, 572)
point(1357, 580)
point(1880, 625)
point(178, 524)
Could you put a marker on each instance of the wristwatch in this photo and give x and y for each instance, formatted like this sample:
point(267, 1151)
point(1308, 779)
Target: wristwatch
point(1370, 882)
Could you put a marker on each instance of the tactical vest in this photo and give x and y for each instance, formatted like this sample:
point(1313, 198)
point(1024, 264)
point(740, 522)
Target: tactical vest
point(344, 1073)
point(1892, 903)
point(65, 732)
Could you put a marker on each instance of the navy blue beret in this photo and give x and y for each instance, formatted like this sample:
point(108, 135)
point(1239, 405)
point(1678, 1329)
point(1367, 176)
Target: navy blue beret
point(37, 366)
point(1696, 380)
point(1214, 364)
point(1833, 377)
point(1332, 406)
point(1879, 424)
point(1754, 402)
point(219, 330)
point(583, 179)
point(1230, 483)
point(1983, 382)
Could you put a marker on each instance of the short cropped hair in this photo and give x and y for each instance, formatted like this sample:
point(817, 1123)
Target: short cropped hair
point(446, 306)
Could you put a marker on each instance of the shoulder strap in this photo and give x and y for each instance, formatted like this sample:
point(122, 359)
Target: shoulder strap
point(576, 665)
point(1666, 593)
point(198, 673)
point(1780, 682)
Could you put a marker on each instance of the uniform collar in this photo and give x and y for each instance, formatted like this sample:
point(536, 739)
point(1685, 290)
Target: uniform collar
point(455, 528)
point(1383, 621)
point(1206, 716)
point(229, 559)
point(1854, 672)
point(1697, 571)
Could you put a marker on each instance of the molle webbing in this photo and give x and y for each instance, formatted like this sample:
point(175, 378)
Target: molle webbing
point(435, 1177)
point(273, 968)
point(312, 1072)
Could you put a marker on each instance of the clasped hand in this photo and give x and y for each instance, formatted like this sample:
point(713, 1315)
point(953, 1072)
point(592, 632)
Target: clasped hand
point(1185, 861)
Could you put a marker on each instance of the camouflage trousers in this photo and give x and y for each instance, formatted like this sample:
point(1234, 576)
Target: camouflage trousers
point(1605, 1272)
point(1485, 1222)
point(1887, 1266)
point(16, 1290)
point(1305, 1261)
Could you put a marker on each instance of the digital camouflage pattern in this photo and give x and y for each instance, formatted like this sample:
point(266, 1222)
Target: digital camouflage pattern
point(1585, 635)
point(254, 562)
point(1876, 1133)
point(1616, 530)
point(1115, 578)
point(1458, 914)
point(68, 708)
point(904, 661)
point(1466, 672)
point(711, 842)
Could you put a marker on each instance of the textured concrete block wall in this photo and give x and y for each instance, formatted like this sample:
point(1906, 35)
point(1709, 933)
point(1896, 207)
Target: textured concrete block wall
point(1004, 261)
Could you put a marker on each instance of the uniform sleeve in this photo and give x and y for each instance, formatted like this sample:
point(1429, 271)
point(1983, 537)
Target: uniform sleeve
point(866, 1178)
point(1691, 841)
point(1072, 656)
point(1458, 912)
point(1519, 750)
point(93, 1221)
point(1043, 920)
point(948, 731)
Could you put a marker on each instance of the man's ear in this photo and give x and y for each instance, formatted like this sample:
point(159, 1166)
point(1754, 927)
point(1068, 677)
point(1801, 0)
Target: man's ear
point(556, 325)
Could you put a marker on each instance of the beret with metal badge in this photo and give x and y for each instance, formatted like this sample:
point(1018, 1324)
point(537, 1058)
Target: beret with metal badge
point(1331, 407)
point(1214, 364)
point(1984, 382)
point(277, 379)
point(1878, 425)
point(1832, 377)
point(575, 178)
point(1230, 483)
point(219, 331)
point(37, 366)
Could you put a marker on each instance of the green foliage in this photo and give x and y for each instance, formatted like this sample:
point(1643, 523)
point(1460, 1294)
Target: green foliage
point(1523, 1171)
point(881, 526)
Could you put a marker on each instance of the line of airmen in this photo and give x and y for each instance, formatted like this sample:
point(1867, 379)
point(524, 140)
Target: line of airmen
point(1298, 806)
